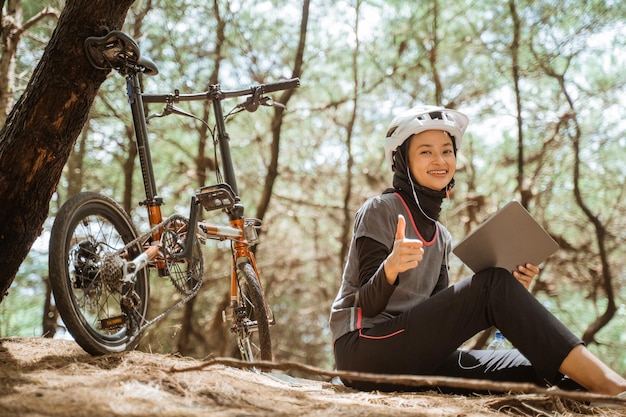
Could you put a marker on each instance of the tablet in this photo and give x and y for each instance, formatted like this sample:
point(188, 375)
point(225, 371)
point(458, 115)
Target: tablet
point(508, 238)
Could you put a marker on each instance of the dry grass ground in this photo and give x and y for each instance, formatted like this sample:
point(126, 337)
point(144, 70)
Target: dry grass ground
point(54, 378)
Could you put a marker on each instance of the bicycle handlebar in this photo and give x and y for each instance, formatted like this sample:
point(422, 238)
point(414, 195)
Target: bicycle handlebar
point(215, 92)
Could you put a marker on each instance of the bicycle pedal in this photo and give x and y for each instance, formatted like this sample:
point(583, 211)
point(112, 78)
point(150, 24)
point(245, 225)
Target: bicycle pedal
point(220, 196)
point(111, 323)
point(250, 325)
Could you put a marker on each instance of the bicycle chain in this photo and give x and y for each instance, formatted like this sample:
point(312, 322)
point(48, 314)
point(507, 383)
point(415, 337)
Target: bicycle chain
point(164, 314)
point(139, 241)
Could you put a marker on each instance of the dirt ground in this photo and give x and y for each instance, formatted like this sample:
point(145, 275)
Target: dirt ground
point(50, 378)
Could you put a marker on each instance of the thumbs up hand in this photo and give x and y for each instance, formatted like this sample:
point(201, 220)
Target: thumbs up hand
point(406, 253)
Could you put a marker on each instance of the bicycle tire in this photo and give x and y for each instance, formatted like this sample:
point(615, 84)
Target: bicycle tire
point(88, 227)
point(251, 296)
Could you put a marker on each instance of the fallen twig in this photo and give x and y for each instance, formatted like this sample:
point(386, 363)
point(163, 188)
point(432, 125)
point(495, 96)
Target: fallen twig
point(411, 380)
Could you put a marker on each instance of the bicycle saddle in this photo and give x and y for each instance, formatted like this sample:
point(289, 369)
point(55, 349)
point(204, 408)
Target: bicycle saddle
point(117, 50)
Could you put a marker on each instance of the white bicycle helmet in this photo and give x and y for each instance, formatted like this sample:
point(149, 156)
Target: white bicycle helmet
point(418, 120)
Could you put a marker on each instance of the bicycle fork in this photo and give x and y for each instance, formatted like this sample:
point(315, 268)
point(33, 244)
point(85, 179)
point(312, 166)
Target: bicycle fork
point(243, 256)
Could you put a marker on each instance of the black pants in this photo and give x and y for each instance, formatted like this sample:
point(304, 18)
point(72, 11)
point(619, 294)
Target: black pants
point(424, 340)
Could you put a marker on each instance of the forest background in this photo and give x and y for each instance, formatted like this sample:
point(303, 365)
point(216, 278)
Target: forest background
point(543, 82)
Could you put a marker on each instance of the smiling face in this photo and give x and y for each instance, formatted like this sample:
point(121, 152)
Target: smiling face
point(431, 159)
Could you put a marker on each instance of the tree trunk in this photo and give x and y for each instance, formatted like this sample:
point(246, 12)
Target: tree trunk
point(75, 171)
point(348, 216)
point(40, 131)
point(277, 120)
point(596, 220)
point(203, 164)
point(50, 313)
point(13, 28)
point(524, 188)
point(11, 33)
point(129, 170)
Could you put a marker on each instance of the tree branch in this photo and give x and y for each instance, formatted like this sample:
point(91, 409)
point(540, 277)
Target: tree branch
point(409, 380)
point(46, 12)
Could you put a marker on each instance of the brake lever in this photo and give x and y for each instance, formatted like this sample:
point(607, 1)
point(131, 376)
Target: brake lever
point(169, 109)
point(181, 112)
point(166, 112)
point(272, 103)
point(253, 102)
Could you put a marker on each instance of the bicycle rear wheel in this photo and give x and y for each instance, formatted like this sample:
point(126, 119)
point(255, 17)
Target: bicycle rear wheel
point(86, 274)
point(255, 320)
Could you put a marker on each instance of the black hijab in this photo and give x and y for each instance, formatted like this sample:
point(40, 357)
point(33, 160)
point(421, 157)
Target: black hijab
point(426, 208)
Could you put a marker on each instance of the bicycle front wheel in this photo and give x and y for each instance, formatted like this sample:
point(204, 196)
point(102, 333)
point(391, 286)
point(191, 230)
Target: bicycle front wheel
point(85, 267)
point(255, 320)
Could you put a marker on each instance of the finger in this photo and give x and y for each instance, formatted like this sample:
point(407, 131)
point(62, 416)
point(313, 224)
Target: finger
point(523, 279)
point(518, 277)
point(410, 247)
point(400, 228)
point(529, 270)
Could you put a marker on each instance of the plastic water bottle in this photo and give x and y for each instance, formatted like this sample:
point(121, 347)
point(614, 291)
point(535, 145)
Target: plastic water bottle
point(498, 342)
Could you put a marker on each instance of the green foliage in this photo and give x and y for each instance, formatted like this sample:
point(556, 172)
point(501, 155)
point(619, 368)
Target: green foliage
point(576, 308)
point(21, 313)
